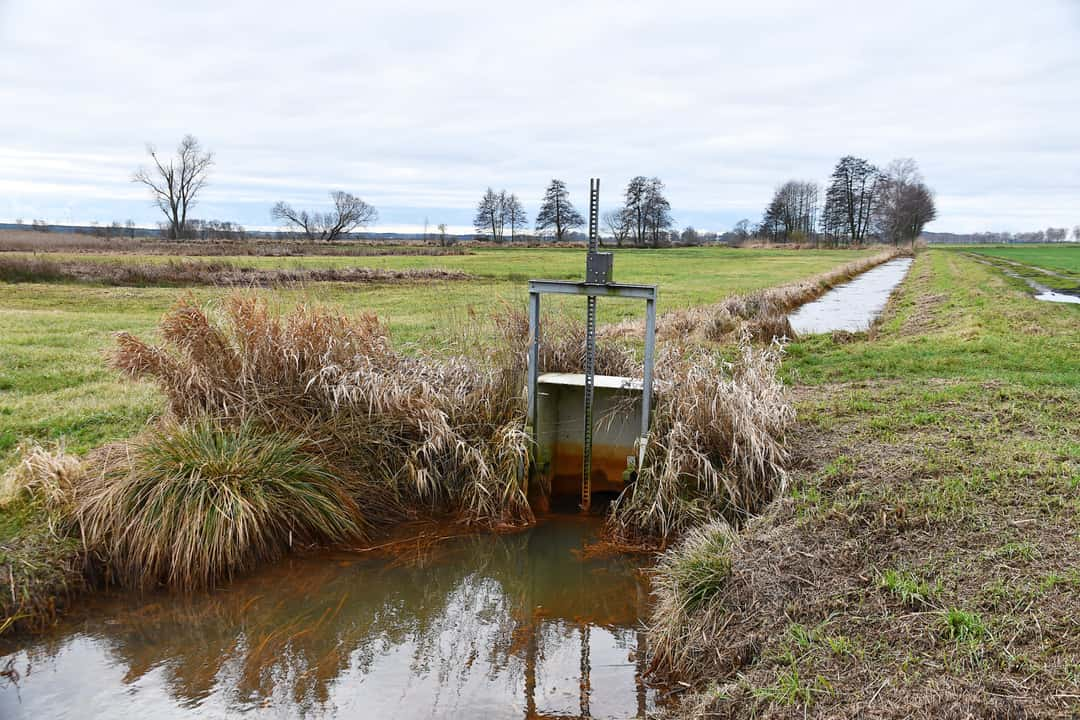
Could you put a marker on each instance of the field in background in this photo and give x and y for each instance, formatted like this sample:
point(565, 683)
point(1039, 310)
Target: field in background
point(54, 382)
point(1057, 257)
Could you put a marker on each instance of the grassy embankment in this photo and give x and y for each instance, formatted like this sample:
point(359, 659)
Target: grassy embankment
point(923, 561)
point(55, 383)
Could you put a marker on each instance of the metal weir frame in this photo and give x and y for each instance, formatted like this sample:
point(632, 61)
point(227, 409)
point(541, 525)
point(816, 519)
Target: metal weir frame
point(592, 291)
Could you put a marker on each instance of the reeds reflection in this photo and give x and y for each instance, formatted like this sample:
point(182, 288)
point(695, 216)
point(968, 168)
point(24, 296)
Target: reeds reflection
point(514, 625)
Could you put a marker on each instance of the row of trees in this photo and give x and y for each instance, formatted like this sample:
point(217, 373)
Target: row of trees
point(860, 201)
point(1050, 234)
point(643, 219)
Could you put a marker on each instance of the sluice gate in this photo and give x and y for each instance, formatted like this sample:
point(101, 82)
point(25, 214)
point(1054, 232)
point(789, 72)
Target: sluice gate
point(589, 432)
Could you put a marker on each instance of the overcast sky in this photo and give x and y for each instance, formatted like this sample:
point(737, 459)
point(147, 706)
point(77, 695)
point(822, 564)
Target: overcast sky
point(419, 106)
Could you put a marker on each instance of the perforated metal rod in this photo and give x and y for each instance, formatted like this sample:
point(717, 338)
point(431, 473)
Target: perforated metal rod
point(590, 351)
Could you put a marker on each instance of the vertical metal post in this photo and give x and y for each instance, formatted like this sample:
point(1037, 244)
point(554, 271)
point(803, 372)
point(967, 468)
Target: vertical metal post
point(646, 388)
point(590, 352)
point(534, 357)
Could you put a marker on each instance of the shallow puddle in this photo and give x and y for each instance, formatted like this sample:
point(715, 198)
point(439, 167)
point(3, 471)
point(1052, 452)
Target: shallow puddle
point(517, 625)
point(854, 305)
point(1041, 292)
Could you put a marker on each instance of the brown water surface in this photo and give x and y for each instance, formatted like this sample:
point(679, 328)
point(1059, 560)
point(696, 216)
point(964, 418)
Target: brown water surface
point(516, 625)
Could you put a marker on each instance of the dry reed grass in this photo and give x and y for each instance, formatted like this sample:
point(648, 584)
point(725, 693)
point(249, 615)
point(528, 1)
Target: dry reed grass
point(49, 475)
point(193, 272)
point(61, 242)
point(445, 434)
point(716, 446)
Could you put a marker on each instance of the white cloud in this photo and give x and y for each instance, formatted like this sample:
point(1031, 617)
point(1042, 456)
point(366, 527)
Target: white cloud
point(420, 106)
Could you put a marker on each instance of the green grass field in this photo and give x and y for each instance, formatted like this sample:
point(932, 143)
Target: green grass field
point(54, 382)
point(1059, 257)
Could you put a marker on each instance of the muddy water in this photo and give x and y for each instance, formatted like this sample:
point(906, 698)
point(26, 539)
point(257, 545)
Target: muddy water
point(495, 626)
point(854, 305)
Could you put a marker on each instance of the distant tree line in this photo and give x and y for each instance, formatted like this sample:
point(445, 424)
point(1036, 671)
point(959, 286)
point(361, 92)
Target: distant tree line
point(1050, 234)
point(859, 202)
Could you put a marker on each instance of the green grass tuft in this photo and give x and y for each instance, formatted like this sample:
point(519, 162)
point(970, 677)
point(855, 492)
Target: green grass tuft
point(194, 504)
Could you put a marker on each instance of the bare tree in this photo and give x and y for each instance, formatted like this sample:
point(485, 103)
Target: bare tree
point(1076, 233)
point(690, 236)
point(557, 212)
point(657, 210)
point(1056, 234)
point(904, 204)
point(618, 224)
point(646, 211)
point(175, 184)
point(444, 239)
point(635, 207)
point(513, 212)
point(348, 214)
point(792, 213)
point(490, 215)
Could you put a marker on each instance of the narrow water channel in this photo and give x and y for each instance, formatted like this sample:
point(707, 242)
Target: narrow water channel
point(854, 305)
point(523, 625)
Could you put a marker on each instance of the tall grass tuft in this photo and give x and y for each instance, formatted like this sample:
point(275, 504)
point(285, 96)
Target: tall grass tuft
point(193, 504)
point(686, 584)
point(716, 446)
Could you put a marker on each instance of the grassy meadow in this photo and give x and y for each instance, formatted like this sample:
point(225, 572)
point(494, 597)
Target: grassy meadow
point(54, 383)
point(1064, 258)
point(1054, 266)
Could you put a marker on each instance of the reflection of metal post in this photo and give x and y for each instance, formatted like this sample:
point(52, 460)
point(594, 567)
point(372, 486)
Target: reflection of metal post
point(530, 672)
point(639, 675)
point(586, 688)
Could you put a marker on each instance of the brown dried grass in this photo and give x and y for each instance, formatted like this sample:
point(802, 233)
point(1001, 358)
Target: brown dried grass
point(446, 434)
point(49, 475)
point(61, 242)
point(716, 446)
point(196, 272)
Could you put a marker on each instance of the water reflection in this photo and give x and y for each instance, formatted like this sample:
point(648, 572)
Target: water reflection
point(515, 625)
point(854, 305)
